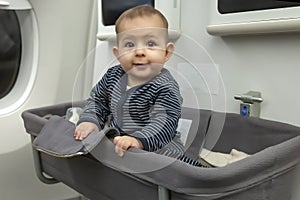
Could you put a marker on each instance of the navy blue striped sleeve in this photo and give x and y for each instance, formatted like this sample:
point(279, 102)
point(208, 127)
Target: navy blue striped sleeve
point(97, 108)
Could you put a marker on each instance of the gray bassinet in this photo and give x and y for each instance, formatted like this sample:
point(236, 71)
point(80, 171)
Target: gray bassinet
point(268, 174)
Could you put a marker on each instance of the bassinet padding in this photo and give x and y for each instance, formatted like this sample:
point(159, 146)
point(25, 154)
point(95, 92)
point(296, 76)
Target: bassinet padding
point(267, 174)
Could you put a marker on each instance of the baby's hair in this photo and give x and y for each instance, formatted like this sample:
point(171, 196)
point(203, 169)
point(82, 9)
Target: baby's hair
point(139, 11)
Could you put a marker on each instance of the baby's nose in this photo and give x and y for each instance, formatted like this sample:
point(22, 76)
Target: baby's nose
point(140, 51)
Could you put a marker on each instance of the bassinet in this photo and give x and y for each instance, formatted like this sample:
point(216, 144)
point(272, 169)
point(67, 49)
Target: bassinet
point(267, 174)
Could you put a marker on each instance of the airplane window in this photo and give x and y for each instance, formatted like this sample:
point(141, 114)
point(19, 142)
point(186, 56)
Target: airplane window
point(10, 50)
point(234, 6)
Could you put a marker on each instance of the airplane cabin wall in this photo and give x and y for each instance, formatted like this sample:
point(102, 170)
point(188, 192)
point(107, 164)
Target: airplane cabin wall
point(266, 63)
point(64, 38)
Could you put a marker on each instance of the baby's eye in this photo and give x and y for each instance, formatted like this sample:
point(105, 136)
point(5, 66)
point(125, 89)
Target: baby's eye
point(151, 43)
point(129, 44)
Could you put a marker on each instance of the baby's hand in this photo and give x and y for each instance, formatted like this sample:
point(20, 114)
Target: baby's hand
point(123, 143)
point(84, 129)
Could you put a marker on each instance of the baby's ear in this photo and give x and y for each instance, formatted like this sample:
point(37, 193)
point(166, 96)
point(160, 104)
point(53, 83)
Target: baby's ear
point(169, 50)
point(116, 52)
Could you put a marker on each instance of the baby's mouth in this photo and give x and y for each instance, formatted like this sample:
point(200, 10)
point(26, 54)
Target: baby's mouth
point(140, 65)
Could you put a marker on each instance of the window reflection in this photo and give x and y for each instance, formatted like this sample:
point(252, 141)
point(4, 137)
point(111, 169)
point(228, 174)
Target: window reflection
point(10, 50)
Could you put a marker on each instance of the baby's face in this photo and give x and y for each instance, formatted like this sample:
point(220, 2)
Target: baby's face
point(142, 47)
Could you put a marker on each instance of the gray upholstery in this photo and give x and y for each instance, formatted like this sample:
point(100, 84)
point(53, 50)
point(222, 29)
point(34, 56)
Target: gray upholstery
point(57, 139)
point(266, 174)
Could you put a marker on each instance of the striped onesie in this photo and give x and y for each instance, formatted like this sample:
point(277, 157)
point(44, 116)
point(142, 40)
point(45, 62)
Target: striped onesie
point(149, 112)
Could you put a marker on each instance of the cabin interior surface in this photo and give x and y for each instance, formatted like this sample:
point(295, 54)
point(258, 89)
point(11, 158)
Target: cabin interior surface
point(70, 59)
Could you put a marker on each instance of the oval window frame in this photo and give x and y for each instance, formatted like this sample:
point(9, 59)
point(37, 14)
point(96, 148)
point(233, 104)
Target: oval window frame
point(29, 57)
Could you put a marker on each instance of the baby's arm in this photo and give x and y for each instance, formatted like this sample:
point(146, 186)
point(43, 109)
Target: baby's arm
point(96, 109)
point(123, 143)
point(84, 129)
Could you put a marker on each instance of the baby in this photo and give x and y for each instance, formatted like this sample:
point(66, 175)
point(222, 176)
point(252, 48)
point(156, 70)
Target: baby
point(139, 97)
